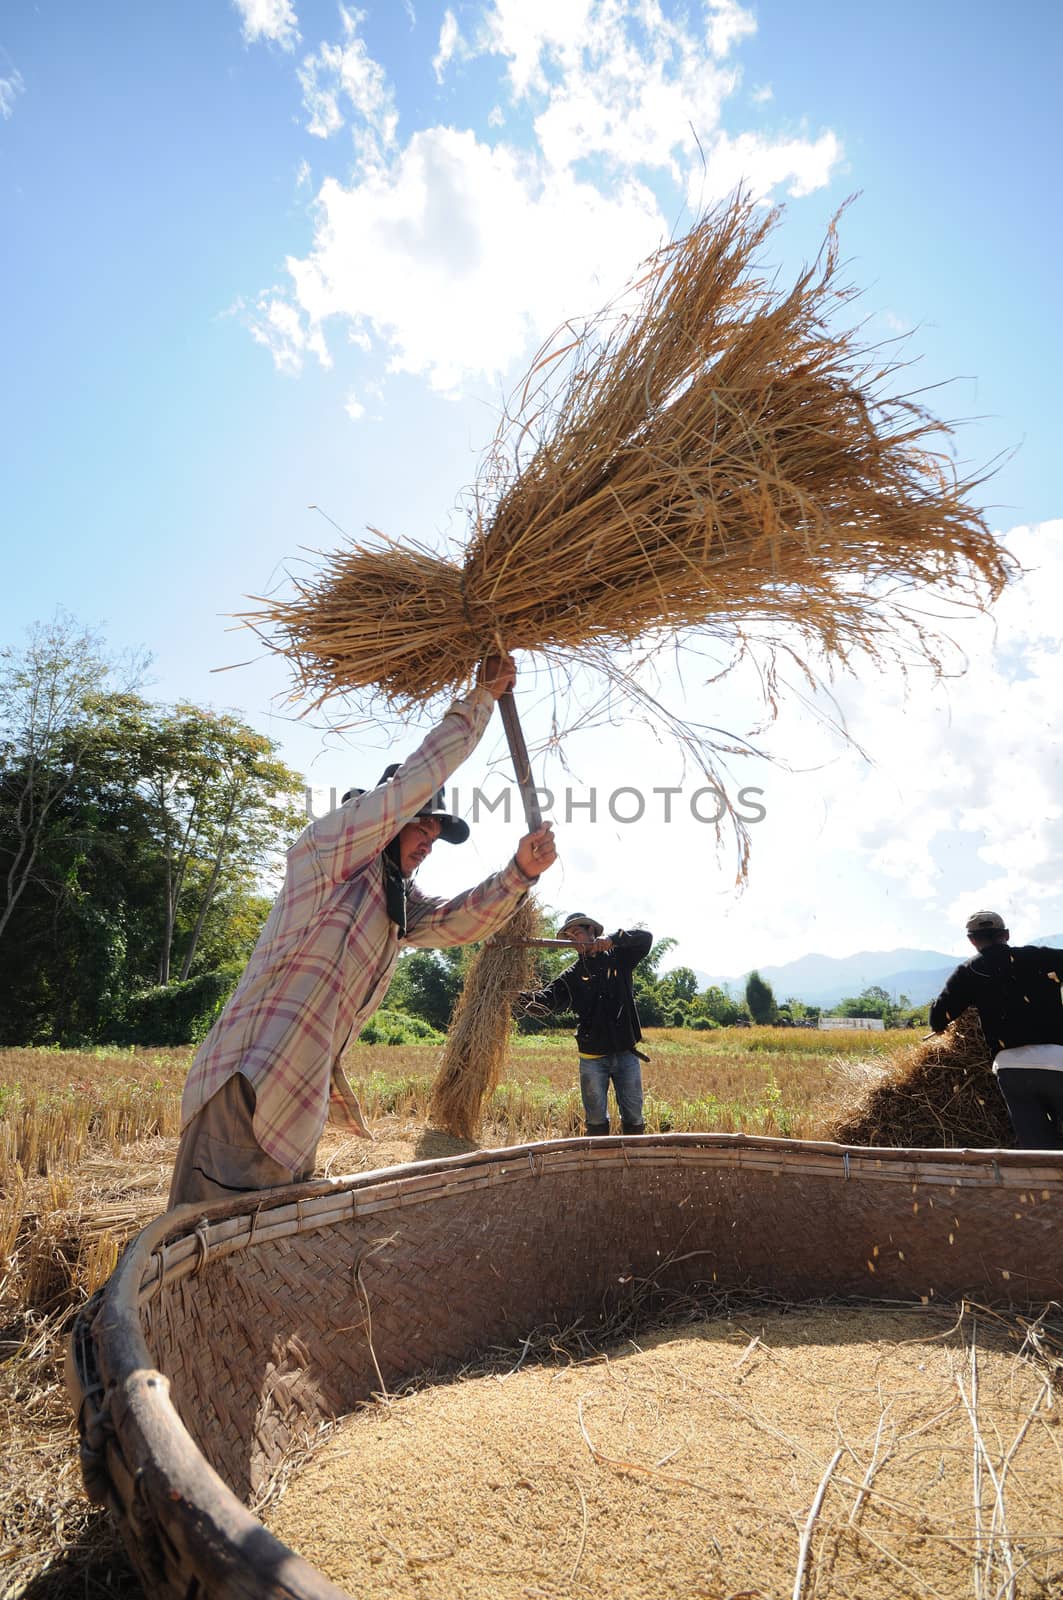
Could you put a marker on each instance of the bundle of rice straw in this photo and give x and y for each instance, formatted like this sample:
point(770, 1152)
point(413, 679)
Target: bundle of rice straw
point(709, 457)
point(478, 1036)
point(937, 1094)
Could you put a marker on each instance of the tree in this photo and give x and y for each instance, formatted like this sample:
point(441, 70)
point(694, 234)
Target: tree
point(223, 805)
point(877, 1002)
point(759, 998)
point(133, 841)
point(721, 1006)
point(801, 1014)
point(651, 964)
point(683, 982)
point(673, 999)
point(427, 984)
point(54, 697)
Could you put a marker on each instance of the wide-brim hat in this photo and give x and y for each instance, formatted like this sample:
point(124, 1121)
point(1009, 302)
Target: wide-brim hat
point(581, 916)
point(452, 829)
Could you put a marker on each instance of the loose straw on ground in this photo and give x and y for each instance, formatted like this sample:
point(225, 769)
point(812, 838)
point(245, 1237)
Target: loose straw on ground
point(478, 1036)
point(939, 1093)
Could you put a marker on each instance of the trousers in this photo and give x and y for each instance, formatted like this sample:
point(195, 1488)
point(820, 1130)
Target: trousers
point(1034, 1098)
point(622, 1069)
point(218, 1158)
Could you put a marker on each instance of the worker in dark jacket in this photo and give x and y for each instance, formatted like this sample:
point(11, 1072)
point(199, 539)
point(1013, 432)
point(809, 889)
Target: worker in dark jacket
point(1018, 998)
point(598, 989)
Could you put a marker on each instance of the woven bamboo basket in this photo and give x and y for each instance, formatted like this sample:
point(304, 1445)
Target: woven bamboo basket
point(227, 1336)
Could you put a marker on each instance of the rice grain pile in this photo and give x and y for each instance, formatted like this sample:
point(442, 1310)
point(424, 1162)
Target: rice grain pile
point(710, 457)
point(478, 1035)
point(937, 1094)
point(818, 1452)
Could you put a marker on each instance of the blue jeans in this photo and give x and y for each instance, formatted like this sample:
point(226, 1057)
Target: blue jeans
point(622, 1069)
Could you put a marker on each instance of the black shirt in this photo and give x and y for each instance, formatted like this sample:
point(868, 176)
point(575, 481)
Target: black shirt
point(599, 990)
point(1015, 992)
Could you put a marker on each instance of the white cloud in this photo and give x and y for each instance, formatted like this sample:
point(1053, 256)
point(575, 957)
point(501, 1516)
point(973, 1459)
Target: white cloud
point(761, 95)
point(10, 89)
point(513, 239)
point(346, 75)
point(453, 223)
point(496, 117)
point(761, 165)
point(274, 20)
point(728, 24)
point(620, 81)
point(529, 35)
point(449, 39)
point(279, 326)
point(961, 807)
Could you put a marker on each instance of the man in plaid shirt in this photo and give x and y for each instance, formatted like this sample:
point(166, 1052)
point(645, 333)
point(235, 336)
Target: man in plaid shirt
point(267, 1075)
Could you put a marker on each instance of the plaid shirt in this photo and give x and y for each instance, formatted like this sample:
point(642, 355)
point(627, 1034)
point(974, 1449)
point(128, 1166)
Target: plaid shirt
point(325, 957)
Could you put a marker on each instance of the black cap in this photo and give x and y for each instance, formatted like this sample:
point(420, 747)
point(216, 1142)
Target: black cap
point(581, 916)
point(454, 830)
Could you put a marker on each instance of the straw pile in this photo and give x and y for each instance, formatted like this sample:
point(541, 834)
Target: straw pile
point(805, 1451)
point(938, 1094)
point(709, 453)
point(478, 1036)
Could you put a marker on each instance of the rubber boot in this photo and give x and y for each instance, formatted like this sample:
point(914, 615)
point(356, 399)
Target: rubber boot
point(596, 1130)
point(632, 1127)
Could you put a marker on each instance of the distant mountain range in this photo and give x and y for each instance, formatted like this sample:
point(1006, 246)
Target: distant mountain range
point(826, 980)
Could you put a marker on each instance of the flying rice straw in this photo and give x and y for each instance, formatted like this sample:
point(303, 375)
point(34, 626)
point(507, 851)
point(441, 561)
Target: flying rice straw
point(716, 463)
point(479, 1031)
point(478, 1036)
point(719, 464)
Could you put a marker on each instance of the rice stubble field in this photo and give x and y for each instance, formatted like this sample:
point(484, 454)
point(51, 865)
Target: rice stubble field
point(87, 1141)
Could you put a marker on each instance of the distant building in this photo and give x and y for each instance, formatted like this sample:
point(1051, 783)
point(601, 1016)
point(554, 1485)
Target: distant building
point(871, 1024)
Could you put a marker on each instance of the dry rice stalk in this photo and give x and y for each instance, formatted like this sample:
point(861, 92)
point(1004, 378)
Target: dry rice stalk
point(478, 1037)
point(937, 1094)
point(710, 453)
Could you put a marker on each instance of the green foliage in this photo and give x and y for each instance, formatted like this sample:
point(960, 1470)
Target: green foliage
point(427, 983)
point(759, 999)
point(176, 1013)
point(878, 1002)
point(795, 1011)
point(651, 963)
point(872, 1002)
point(133, 839)
point(721, 1007)
point(396, 1027)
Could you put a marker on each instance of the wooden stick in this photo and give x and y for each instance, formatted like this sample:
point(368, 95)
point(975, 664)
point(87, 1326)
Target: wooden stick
point(521, 764)
point(533, 944)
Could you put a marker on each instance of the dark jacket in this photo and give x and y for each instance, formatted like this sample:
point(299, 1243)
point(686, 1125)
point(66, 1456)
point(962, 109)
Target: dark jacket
point(598, 989)
point(1015, 992)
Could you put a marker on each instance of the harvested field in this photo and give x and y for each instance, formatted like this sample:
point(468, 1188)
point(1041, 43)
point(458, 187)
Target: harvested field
point(87, 1140)
point(821, 1452)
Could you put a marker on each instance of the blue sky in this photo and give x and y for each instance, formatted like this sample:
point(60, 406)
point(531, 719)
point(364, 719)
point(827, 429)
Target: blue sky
point(269, 254)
